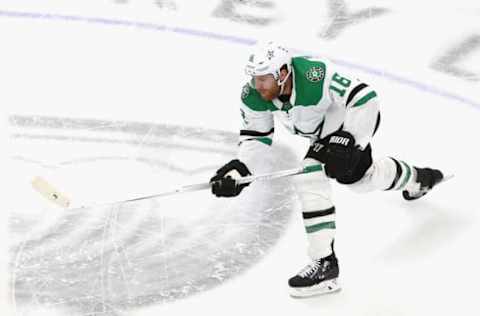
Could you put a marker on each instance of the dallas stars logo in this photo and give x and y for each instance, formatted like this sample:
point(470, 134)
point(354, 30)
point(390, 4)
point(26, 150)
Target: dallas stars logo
point(245, 91)
point(315, 74)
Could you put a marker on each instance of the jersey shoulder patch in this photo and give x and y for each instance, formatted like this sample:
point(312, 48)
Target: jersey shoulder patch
point(253, 100)
point(309, 80)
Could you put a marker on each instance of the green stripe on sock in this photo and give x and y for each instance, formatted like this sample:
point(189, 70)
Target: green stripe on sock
point(407, 177)
point(365, 99)
point(317, 227)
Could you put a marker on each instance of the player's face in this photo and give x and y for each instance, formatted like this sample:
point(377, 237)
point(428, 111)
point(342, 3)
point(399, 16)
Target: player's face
point(267, 86)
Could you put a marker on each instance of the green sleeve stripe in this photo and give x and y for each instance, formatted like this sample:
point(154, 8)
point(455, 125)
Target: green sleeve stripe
point(365, 99)
point(266, 140)
point(317, 227)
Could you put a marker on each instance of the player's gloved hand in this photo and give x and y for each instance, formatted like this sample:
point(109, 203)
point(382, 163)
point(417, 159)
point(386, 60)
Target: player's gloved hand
point(341, 156)
point(224, 183)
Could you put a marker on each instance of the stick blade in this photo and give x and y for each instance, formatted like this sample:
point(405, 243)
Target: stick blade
point(50, 193)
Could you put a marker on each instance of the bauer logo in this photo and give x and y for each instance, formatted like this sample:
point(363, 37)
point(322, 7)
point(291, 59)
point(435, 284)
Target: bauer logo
point(340, 140)
point(140, 253)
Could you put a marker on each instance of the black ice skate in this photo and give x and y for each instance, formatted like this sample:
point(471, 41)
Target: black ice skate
point(318, 277)
point(426, 179)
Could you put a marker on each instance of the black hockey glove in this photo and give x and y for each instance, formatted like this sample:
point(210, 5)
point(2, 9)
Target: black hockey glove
point(224, 185)
point(345, 161)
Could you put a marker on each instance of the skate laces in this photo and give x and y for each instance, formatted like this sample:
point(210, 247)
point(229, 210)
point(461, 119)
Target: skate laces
point(311, 268)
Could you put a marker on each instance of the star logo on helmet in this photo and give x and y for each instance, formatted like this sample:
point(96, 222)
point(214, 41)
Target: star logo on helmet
point(315, 74)
point(270, 54)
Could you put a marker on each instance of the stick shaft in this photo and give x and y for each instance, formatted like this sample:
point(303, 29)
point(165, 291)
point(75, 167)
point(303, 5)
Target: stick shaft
point(206, 185)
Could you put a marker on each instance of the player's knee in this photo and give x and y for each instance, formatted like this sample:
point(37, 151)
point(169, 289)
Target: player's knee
point(311, 179)
point(313, 188)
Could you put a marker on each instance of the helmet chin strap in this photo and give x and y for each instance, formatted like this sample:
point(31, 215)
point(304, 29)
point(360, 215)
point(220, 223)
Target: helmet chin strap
point(282, 87)
point(281, 83)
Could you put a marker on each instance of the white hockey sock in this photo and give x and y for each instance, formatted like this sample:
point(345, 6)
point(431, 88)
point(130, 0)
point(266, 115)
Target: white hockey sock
point(405, 177)
point(320, 229)
point(318, 212)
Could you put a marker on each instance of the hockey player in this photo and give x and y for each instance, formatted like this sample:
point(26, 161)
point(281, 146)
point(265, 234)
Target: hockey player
point(339, 114)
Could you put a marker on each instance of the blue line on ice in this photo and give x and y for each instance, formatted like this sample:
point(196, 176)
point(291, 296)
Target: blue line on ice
point(234, 39)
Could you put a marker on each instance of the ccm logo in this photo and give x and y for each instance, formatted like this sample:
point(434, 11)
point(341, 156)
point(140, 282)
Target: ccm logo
point(339, 140)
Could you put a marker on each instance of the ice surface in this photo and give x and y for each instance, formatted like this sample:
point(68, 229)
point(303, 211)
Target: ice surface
point(116, 257)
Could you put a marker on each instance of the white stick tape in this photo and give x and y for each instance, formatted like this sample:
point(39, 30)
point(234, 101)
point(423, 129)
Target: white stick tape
point(49, 192)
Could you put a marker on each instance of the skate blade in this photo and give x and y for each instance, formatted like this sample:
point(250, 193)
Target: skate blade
point(447, 177)
point(325, 287)
point(410, 197)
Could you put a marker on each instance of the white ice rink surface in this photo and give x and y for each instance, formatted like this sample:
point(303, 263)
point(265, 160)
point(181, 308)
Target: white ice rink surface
point(118, 99)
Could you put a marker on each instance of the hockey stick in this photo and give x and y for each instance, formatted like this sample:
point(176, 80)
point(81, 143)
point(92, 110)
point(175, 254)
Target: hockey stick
point(60, 199)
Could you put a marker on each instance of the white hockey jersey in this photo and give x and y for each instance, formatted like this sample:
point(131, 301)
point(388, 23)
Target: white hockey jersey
point(323, 100)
